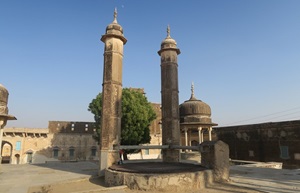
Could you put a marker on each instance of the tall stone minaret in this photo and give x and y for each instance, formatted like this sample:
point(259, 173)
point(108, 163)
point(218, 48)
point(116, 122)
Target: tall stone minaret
point(169, 97)
point(111, 94)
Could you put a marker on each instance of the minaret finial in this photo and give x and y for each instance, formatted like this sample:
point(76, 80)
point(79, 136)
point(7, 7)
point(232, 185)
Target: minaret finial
point(192, 91)
point(168, 32)
point(115, 15)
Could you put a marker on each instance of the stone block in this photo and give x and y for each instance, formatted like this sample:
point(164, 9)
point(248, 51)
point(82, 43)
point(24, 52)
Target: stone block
point(215, 156)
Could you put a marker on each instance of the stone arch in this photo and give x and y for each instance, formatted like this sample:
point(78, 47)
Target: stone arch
point(6, 152)
point(71, 152)
point(93, 151)
point(29, 156)
point(17, 157)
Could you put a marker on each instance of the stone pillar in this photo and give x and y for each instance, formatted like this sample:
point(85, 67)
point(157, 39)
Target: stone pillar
point(111, 94)
point(185, 137)
point(169, 97)
point(199, 134)
point(190, 137)
point(2, 124)
point(215, 156)
point(209, 133)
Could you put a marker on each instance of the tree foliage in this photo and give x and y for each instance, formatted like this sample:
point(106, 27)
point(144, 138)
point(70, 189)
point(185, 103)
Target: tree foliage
point(137, 115)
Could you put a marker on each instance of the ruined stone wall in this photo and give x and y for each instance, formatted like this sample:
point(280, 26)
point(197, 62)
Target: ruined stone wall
point(266, 142)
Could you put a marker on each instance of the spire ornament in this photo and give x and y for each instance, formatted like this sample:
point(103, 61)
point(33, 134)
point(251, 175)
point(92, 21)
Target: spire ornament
point(168, 32)
point(192, 91)
point(115, 15)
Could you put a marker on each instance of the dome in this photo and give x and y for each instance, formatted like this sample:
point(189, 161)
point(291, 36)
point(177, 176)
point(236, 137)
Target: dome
point(168, 42)
point(3, 95)
point(114, 29)
point(194, 107)
point(3, 104)
point(195, 111)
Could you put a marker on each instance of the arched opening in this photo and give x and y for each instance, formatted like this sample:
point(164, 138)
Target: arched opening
point(93, 151)
point(6, 152)
point(71, 152)
point(55, 152)
point(17, 158)
point(29, 156)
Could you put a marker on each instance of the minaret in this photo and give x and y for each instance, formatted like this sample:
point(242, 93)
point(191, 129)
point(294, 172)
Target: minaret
point(111, 94)
point(4, 116)
point(169, 97)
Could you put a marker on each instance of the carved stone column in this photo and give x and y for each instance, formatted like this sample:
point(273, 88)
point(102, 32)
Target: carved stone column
point(111, 94)
point(185, 136)
point(169, 97)
point(209, 133)
point(200, 135)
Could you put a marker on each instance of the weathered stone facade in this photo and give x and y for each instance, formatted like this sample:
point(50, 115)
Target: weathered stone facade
point(61, 141)
point(265, 142)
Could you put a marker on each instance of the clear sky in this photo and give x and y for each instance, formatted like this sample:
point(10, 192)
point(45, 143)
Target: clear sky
point(243, 56)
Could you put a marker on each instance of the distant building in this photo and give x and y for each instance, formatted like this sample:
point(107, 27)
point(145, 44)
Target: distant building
point(61, 141)
point(64, 141)
point(265, 142)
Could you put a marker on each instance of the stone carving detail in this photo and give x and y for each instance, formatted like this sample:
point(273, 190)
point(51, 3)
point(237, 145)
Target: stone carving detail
point(108, 46)
point(3, 110)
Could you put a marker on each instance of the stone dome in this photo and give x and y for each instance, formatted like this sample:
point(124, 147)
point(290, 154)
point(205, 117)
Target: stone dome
point(195, 111)
point(194, 107)
point(168, 42)
point(3, 95)
point(114, 29)
point(3, 103)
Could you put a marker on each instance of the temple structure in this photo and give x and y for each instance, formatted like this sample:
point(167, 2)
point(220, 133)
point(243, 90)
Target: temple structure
point(111, 94)
point(169, 98)
point(195, 120)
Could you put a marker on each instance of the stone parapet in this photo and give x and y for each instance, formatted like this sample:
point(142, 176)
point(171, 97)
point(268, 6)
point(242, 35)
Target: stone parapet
point(177, 182)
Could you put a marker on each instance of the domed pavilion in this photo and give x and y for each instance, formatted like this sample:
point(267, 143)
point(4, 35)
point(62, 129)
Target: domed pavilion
point(195, 117)
point(3, 105)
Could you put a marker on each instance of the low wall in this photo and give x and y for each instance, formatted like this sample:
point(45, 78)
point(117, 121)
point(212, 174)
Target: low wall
point(177, 182)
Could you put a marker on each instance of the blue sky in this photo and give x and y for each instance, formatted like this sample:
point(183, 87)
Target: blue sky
point(243, 56)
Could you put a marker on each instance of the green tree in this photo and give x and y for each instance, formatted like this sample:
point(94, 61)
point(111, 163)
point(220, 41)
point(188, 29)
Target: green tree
point(137, 115)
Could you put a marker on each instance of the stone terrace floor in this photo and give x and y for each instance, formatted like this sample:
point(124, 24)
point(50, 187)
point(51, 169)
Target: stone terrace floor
point(81, 177)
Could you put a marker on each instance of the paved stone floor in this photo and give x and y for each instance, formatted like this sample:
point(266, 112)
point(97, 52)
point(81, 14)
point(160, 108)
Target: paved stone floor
point(81, 177)
point(266, 179)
